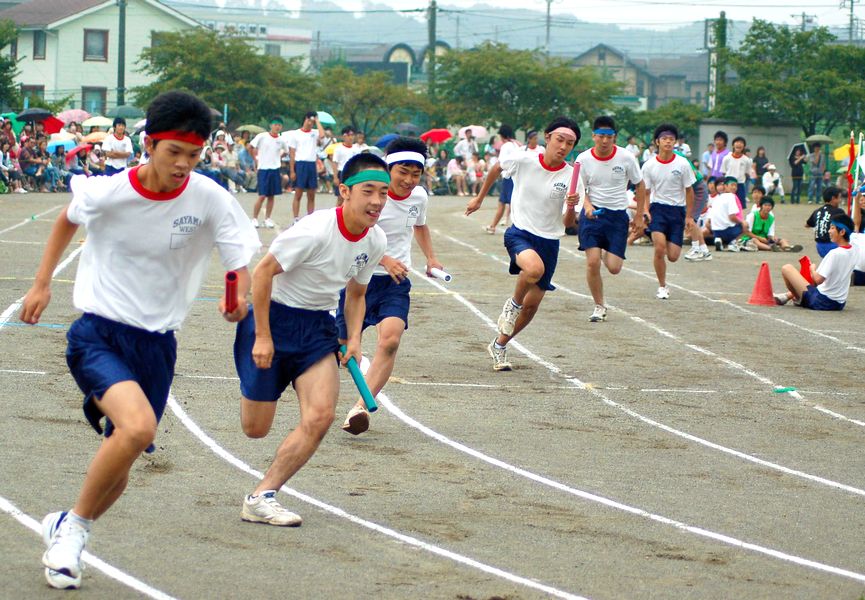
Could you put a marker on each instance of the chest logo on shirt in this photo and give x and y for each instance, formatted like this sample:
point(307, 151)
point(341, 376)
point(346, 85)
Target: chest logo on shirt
point(413, 211)
point(619, 170)
point(360, 261)
point(182, 230)
point(558, 191)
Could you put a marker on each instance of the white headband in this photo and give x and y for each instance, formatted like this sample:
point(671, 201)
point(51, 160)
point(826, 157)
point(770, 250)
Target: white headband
point(405, 156)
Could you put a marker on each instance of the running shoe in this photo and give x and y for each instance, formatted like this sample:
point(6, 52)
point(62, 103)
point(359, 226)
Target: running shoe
point(733, 247)
point(794, 248)
point(748, 246)
point(255, 223)
point(357, 420)
point(65, 542)
point(781, 299)
point(599, 314)
point(508, 318)
point(265, 509)
point(500, 357)
point(719, 245)
point(663, 293)
point(269, 224)
point(693, 253)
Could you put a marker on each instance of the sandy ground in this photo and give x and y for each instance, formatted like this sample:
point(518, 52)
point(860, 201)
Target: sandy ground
point(645, 457)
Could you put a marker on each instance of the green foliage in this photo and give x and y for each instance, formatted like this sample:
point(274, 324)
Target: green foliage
point(9, 92)
point(686, 117)
point(496, 84)
point(786, 75)
point(226, 70)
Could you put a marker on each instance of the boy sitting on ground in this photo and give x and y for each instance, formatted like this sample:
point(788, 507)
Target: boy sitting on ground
point(759, 229)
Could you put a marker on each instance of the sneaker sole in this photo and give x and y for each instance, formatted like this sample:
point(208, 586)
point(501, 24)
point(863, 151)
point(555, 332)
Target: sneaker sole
point(250, 518)
point(357, 423)
point(66, 572)
point(597, 319)
point(59, 581)
point(500, 367)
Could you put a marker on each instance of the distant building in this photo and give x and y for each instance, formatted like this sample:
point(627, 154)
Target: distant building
point(407, 65)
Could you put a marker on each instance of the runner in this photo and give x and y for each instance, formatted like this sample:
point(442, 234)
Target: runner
point(341, 154)
point(302, 154)
point(510, 144)
point(267, 150)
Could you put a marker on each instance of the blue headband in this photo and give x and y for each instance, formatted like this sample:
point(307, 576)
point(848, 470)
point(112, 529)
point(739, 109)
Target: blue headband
point(841, 227)
point(604, 131)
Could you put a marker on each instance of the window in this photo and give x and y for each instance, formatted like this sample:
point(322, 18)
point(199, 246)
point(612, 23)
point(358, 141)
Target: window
point(93, 99)
point(602, 55)
point(271, 50)
point(39, 45)
point(33, 91)
point(641, 87)
point(95, 44)
point(13, 49)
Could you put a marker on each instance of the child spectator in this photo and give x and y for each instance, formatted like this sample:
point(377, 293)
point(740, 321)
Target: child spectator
point(724, 219)
point(772, 182)
point(759, 229)
point(822, 217)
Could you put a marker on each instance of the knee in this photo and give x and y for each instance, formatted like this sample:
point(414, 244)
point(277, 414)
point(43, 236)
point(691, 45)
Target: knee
point(317, 421)
point(614, 269)
point(255, 430)
point(534, 272)
point(389, 344)
point(138, 435)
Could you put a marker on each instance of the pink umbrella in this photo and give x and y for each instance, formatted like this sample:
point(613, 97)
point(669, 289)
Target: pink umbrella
point(76, 150)
point(75, 115)
point(478, 131)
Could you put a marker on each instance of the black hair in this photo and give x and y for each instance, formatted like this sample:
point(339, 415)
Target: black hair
point(712, 179)
point(665, 127)
point(531, 133)
point(564, 122)
point(406, 144)
point(739, 138)
point(847, 222)
point(506, 131)
point(722, 135)
point(310, 114)
point(347, 130)
point(119, 121)
point(758, 188)
point(361, 162)
point(604, 122)
point(830, 192)
point(767, 200)
point(178, 111)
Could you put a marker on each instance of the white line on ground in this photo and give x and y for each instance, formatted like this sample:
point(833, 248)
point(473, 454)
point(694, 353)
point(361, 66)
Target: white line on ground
point(17, 372)
point(13, 308)
point(31, 219)
point(214, 446)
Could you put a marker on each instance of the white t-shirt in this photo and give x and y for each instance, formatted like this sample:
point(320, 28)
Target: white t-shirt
point(722, 206)
point(342, 153)
point(858, 242)
point(837, 267)
point(305, 144)
point(112, 144)
point(398, 219)
point(606, 179)
point(319, 255)
point(539, 193)
point(269, 149)
point(146, 253)
point(736, 167)
point(505, 150)
point(668, 180)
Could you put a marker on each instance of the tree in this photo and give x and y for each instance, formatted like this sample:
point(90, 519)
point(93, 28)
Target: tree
point(9, 92)
point(368, 102)
point(786, 75)
point(495, 84)
point(226, 70)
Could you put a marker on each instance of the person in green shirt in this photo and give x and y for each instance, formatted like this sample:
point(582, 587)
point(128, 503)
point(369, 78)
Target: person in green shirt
point(759, 228)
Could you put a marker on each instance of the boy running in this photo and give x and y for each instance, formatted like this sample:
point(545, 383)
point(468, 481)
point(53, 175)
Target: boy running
point(668, 179)
point(150, 234)
point(267, 150)
point(302, 154)
point(540, 193)
point(607, 169)
point(341, 154)
point(387, 295)
point(290, 337)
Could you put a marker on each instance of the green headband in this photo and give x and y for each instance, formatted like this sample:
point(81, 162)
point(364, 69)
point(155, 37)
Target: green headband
point(368, 175)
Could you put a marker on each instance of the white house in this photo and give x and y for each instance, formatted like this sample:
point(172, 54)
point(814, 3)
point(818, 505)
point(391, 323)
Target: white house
point(70, 47)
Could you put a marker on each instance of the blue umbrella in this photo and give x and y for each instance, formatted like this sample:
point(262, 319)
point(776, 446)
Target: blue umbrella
point(67, 145)
point(386, 139)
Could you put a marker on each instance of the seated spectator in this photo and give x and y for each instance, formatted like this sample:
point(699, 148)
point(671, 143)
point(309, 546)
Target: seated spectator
point(773, 183)
point(246, 165)
point(58, 164)
point(456, 173)
point(231, 171)
point(441, 170)
point(74, 130)
point(476, 170)
point(96, 161)
point(831, 278)
point(724, 219)
point(9, 168)
point(759, 229)
point(77, 165)
point(31, 164)
point(206, 167)
point(822, 217)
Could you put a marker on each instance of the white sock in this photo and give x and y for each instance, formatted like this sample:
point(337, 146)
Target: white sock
point(79, 521)
point(704, 248)
point(695, 244)
point(498, 346)
point(515, 304)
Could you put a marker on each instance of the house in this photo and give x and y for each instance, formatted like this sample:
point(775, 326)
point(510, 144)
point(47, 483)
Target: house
point(69, 48)
point(406, 65)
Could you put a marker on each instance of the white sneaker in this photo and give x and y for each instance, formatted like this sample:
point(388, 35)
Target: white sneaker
point(733, 247)
point(254, 223)
point(500, 357)
point(663, 293)
point(706, 255)
point(748, 246)
point(693, 253)
point(357, 420)
point(781, 299)
point(21, 190)
point(265, 509)
point(719, 245)
point(65, 542)
point(269, 224)
point(599, 314)
point(508, 318)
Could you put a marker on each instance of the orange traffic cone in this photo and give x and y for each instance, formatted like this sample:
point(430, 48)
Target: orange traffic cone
point(762, 294)
point(805, 269)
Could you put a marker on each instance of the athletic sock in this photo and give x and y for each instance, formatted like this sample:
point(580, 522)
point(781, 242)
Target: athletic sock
point(264, 493)
point(704, 248)
point(79, 521)
point(695, 244)
point(498, 346)
point(515, 304)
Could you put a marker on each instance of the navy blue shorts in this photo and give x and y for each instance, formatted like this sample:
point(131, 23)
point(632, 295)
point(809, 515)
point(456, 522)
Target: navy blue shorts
point(300, 339)
point(109, 170)
point(305, 175)
point(507, 191)
point(607, 231)
point(517, 240)
point(384, 298)
point(269, 182)
point(102, 352)
point(729, 234)
point(669, 221)
point(813, 299)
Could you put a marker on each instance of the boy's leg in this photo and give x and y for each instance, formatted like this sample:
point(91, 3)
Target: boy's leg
point(796, 284)
point(256, 209)
point(268, 210)
point(593, 275)
point(390, 332)
point(295, 204)
point(256, 417)
point(500, 210)
point(531, 301)
point(659, 259)
point(310, 201)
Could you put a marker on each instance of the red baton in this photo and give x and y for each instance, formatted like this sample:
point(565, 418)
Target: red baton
point(230, 291)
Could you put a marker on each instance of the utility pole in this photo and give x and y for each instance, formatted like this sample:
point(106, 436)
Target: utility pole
point(716, 44)
point(806, 20)
point(547, 45)
point(121, 53)
point(852, 18)
point(458, 32)
point(431, 49)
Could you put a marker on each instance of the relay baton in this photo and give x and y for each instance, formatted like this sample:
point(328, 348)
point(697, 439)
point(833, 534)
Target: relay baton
point(598, 211)
point(439, 274)
point(805, 269)
point(575, 175)
point(231, 291)
point(360, 382)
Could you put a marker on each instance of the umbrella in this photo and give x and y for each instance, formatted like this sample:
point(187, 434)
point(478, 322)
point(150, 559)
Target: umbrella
point(67, 144)
point(800, 145)
point(52, 125)
point(325, 118)
point(819, 138)
point(60, 136)
point(478, 131)
point(841, 152)
point(139, 125)
point(386, 139)
point(95, 137)
point(76, 150)
point(377, 151)
point(329, 150)
point(407, 128)
point(17, 126)
point(97, 121)
point(124, 111)
point(436, 136)
point(253, 129)
point(73, 115)
point(34, 114)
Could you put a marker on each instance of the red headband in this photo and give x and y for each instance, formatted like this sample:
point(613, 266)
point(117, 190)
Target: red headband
point(189, 137)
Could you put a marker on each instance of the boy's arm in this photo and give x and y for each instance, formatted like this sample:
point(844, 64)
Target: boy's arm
point(39, 295)
point(858, 205)
point(689, 204)
point(424, 240)
point(492, 175)
point(262, 280)
point(355, 307)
